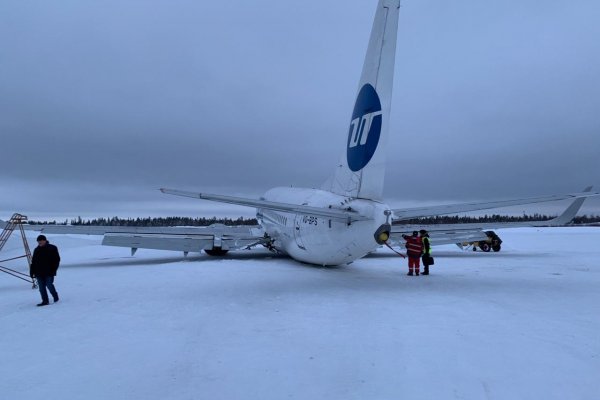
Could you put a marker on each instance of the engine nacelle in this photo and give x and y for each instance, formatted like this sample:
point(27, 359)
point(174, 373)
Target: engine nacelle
point(382, 234)
point(216, 252)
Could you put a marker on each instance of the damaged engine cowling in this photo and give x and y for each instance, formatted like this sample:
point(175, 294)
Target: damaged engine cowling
point(216, 251)
point(382, 234)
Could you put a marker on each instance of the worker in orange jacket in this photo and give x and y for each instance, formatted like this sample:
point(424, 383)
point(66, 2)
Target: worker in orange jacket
point(414, 249)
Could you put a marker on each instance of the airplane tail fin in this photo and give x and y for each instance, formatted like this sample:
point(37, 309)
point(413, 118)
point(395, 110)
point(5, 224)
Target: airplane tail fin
point(360, 173)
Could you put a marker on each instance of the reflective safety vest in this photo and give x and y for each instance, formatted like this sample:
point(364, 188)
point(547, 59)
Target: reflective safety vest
point(426, 245)
point(414, 246)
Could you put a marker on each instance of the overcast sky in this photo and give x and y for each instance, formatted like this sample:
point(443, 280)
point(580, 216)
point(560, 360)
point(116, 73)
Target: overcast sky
point(103, 102)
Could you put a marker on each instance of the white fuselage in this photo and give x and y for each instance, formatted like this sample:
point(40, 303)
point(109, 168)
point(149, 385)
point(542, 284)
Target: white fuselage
point(320, 240)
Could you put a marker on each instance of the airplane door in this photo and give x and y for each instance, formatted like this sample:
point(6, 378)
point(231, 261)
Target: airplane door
point(297, 232)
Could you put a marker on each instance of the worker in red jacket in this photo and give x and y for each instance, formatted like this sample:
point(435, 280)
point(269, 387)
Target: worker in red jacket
point(414, 249)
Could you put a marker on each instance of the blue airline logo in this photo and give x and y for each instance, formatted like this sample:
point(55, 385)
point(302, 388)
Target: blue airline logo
point(365, 128)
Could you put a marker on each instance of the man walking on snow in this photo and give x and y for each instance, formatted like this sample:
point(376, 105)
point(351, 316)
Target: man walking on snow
point(414, 249)
point(44, 265)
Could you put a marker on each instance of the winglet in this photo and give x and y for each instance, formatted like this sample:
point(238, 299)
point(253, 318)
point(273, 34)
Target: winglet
point(571, 211)
point(181, 193)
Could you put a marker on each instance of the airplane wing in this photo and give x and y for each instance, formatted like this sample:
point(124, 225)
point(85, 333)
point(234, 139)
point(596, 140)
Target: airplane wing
point(438, 235)
point(187, 239)
point(459, 233)
point(220, 240)
point(167, 230)
point(472, 232)
point(418, 212)
point(334, 213)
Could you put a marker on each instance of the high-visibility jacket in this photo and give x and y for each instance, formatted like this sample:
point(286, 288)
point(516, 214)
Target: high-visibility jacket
point(426, 245)
point(414, 246)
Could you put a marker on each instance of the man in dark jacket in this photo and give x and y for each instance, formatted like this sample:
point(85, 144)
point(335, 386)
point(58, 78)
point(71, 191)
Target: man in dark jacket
point(426, 250)
point(44, 265)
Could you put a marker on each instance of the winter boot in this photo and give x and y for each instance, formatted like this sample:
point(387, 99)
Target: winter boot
point(43, 303)
point(410, 273)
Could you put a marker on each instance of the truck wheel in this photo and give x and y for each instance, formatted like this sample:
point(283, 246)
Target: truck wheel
point(496, 248)
point(484, 247)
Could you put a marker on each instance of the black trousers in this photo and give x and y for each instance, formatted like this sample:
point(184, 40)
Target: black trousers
point(425, 266)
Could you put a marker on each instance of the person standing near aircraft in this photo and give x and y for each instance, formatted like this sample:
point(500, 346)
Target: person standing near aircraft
point(414, 249)
point(44, 265)
point(426, 251)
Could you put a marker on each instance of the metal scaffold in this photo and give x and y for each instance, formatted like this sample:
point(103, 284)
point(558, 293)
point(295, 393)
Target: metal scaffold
point(16, 221)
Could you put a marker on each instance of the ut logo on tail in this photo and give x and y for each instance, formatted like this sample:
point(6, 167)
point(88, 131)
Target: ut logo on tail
point(365, 128)
point(360, 129)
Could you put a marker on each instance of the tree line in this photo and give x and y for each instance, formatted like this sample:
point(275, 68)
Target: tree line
point(456, 219)
point(151, 221)
point(203, 221)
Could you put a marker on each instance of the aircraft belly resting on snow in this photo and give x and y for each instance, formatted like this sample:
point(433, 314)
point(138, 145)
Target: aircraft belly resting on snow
point(321, 240)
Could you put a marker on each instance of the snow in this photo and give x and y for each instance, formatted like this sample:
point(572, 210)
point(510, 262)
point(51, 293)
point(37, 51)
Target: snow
point(522, 323)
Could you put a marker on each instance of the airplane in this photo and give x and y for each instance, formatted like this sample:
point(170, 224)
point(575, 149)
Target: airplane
point(346, 218)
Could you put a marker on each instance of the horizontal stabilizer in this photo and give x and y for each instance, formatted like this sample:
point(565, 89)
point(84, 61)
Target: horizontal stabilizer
point(333, 213)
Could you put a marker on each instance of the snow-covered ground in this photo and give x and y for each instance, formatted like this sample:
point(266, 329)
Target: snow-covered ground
point(520, 324)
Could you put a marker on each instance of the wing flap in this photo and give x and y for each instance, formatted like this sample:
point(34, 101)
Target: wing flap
point(186, 243)
point(158, 242)
point(440, 236)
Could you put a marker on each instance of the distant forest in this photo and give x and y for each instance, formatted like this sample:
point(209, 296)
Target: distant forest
point(202, 221)
point(152, 221)
point(455, 219)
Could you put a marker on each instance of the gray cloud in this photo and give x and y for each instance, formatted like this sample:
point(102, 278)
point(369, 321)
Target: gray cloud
point(107, 101)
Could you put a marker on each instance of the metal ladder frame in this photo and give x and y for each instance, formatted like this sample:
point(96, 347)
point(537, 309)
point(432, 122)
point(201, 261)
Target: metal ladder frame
point(16, 221)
